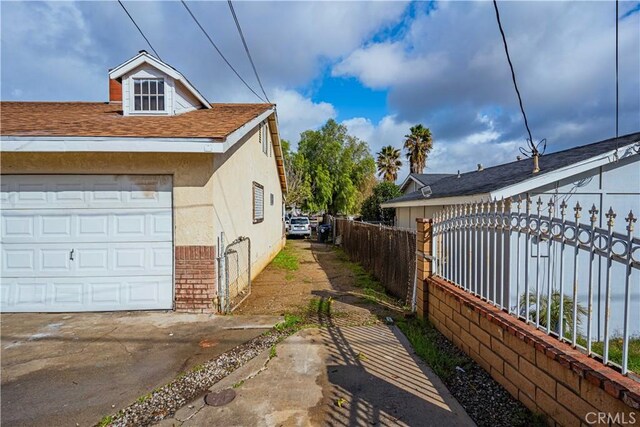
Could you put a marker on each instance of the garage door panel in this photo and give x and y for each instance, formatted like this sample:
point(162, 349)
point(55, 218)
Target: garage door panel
point(86, 243)
point(86, 191)
point(76, 294)
point(78, 226)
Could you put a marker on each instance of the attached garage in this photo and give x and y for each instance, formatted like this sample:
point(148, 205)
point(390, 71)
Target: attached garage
point(86, 243)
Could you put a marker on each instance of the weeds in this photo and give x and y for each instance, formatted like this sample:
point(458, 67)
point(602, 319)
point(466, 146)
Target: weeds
point(238, 384)
point(423, 336)
point(273, 352)
point(320, 306)
point(291, 322)
point(286, 259)
point(105, 421)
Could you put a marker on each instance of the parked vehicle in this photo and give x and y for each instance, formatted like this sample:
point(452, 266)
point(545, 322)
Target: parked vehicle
point(299, 226)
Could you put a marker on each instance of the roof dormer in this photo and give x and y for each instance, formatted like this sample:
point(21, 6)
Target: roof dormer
point(151, 87)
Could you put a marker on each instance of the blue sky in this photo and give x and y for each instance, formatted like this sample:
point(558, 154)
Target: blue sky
point(378, 67)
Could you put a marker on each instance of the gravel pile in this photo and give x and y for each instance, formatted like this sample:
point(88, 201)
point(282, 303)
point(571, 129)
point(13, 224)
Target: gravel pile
point(166, 400)
point(484, 399)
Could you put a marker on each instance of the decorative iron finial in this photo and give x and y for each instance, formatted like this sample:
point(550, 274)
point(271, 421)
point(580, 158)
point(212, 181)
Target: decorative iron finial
point(519, 203)
point(563, 208)
point(551, 206)
point(539, 203)
point(577, 210)
point(528, 204)
point(611, 216)
point(594, 214)
point(630, 219)
point(502, 205)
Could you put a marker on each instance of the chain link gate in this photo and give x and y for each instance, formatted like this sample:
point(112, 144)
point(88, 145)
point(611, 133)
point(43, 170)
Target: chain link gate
point(236, 274)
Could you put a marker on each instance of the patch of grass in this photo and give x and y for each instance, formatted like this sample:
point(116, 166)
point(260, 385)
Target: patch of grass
point(286, 259)
point(273, 352)
point(197, 368)
point(422, 336)
point(320, 306)
point(141, 399)
point(291, 322)
point(238, 384)
point(615, 350)
point(105, 421)
point(289, 276)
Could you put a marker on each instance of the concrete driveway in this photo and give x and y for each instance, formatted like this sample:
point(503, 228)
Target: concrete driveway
point(72, 369)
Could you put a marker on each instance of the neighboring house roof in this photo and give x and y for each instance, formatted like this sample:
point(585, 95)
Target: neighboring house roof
point(99, 119)
point(504, 180)
point(145, 58)
point(422, 179)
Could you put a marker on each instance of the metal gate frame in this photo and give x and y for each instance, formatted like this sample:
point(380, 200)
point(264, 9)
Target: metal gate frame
point(227, 306)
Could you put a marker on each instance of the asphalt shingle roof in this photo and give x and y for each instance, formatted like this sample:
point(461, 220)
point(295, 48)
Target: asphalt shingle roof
point(429, 178)
point(99, 119)
point(500, 176)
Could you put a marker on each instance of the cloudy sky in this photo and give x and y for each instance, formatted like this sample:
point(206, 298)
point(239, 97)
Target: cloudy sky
point(377, 67)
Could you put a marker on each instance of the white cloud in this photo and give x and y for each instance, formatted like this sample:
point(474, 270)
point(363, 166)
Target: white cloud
point(450, 65)
point(299, 113)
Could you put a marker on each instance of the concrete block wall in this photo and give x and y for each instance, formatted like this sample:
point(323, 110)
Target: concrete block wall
point(548, 376)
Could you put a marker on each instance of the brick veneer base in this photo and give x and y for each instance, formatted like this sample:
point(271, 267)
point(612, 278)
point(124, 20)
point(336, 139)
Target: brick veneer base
point(548, 376)
point(195, 272)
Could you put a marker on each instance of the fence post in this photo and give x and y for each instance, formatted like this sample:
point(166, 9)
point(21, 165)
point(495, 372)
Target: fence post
point(423, 264)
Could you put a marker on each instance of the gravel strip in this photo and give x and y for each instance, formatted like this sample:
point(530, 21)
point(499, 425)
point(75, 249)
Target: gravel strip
point(165, 401)
point(484, 399)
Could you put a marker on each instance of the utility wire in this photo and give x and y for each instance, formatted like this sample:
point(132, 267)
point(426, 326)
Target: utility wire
point(246, 48)
point(219, 52)
point(617, 99)
point(533, 147)
point(141, 33)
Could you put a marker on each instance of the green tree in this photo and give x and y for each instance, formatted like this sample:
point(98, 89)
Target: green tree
point(389, 163)
point(418, 145)
point(338, 166)
point(371, 210)
point(298, 184)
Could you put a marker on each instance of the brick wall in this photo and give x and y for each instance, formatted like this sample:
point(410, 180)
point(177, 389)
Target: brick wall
point(195, 273)
point(115, 91)
point(548, 376)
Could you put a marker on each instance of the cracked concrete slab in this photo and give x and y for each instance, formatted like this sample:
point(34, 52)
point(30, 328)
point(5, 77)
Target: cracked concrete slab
point(339, 376)
point(63, 369)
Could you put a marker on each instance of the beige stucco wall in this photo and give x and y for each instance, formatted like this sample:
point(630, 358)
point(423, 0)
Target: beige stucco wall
point(212, 193)
point(192, 181)
point(234, 174)
point(406, 217)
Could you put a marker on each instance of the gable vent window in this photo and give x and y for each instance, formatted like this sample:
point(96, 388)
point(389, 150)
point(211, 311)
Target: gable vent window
point(148, 94)
point(263, 137)
point(258, 203)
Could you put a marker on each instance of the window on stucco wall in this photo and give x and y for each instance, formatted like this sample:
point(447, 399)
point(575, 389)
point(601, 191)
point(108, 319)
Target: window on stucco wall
point(258, 203)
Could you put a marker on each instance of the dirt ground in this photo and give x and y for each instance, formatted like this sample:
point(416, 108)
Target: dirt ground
point(321, 274)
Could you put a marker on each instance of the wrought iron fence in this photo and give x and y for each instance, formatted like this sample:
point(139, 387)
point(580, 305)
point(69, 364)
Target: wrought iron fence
point(388, 253)
point(236, 279)
point(548, 268)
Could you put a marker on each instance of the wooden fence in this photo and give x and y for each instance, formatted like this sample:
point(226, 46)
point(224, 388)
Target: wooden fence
point(388, 253)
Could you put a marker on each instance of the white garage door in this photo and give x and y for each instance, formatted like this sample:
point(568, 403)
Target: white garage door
point(86, 243)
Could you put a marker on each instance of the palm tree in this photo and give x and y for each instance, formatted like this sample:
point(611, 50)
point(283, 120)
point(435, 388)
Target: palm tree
point(418, 145)
point(567, 311)
point(389, 163)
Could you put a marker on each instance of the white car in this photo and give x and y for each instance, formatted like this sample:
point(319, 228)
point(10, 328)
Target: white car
point(299, 226)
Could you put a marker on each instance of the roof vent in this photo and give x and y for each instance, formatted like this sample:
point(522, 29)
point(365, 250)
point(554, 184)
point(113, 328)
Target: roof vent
point(480, 167)
point(518, 158)
point(458, 174)
point(426, 191)
point(142, 51)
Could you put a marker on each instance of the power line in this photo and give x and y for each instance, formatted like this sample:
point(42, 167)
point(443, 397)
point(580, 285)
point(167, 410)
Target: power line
point(246, 48)
point(617, 99)
point(219, 52)
point(533, 148)
point(140, 30)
